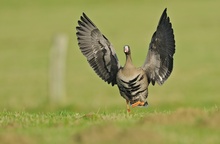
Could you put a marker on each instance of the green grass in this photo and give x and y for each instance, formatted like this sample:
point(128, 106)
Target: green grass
point(185, 125)
point(184, 110)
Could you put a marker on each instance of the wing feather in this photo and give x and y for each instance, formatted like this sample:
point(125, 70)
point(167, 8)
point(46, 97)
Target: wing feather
point(159, 61)
point(97, 49)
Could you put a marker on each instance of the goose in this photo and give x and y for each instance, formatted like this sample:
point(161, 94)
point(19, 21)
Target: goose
point(132, 81)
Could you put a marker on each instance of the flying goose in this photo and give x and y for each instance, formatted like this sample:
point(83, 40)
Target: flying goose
point(132, 81)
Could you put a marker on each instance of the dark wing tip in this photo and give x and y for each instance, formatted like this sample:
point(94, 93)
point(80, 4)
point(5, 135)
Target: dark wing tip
point(163, 16)
point(84, 18)
point(165, 10)
point(84, 14)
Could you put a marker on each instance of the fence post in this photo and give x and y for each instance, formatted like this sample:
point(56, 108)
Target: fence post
point(57, 68)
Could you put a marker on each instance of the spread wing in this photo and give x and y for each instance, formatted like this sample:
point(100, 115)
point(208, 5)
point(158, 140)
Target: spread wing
point(159, 61)
point(97, 49)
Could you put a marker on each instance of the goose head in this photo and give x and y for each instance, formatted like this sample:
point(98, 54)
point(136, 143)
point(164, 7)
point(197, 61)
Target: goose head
point(127, 50)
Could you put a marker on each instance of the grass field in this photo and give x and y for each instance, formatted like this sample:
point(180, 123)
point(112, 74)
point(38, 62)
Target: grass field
point(184, 110)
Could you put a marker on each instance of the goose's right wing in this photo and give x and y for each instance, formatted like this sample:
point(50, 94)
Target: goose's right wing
point(97, 49)
point(159, 62)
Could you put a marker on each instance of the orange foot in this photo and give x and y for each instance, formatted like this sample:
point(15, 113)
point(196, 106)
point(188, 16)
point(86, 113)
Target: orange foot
point(138, 103)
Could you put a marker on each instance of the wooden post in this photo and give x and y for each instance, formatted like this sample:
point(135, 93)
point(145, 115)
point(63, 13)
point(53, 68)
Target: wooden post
point(57, 69)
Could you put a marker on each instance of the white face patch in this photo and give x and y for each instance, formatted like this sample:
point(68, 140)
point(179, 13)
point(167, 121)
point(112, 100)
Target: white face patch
point(126, 49)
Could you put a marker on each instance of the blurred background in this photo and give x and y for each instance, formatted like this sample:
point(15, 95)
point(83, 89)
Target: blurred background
point(27, 30)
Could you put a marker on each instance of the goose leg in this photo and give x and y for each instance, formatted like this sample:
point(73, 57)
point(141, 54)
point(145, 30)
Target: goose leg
point(128, 106)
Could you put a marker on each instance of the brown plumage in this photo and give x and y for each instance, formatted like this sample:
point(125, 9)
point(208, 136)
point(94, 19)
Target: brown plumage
point(132, 82)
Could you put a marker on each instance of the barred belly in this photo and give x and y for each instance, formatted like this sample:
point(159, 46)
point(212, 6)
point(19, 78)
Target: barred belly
point(135, 89)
